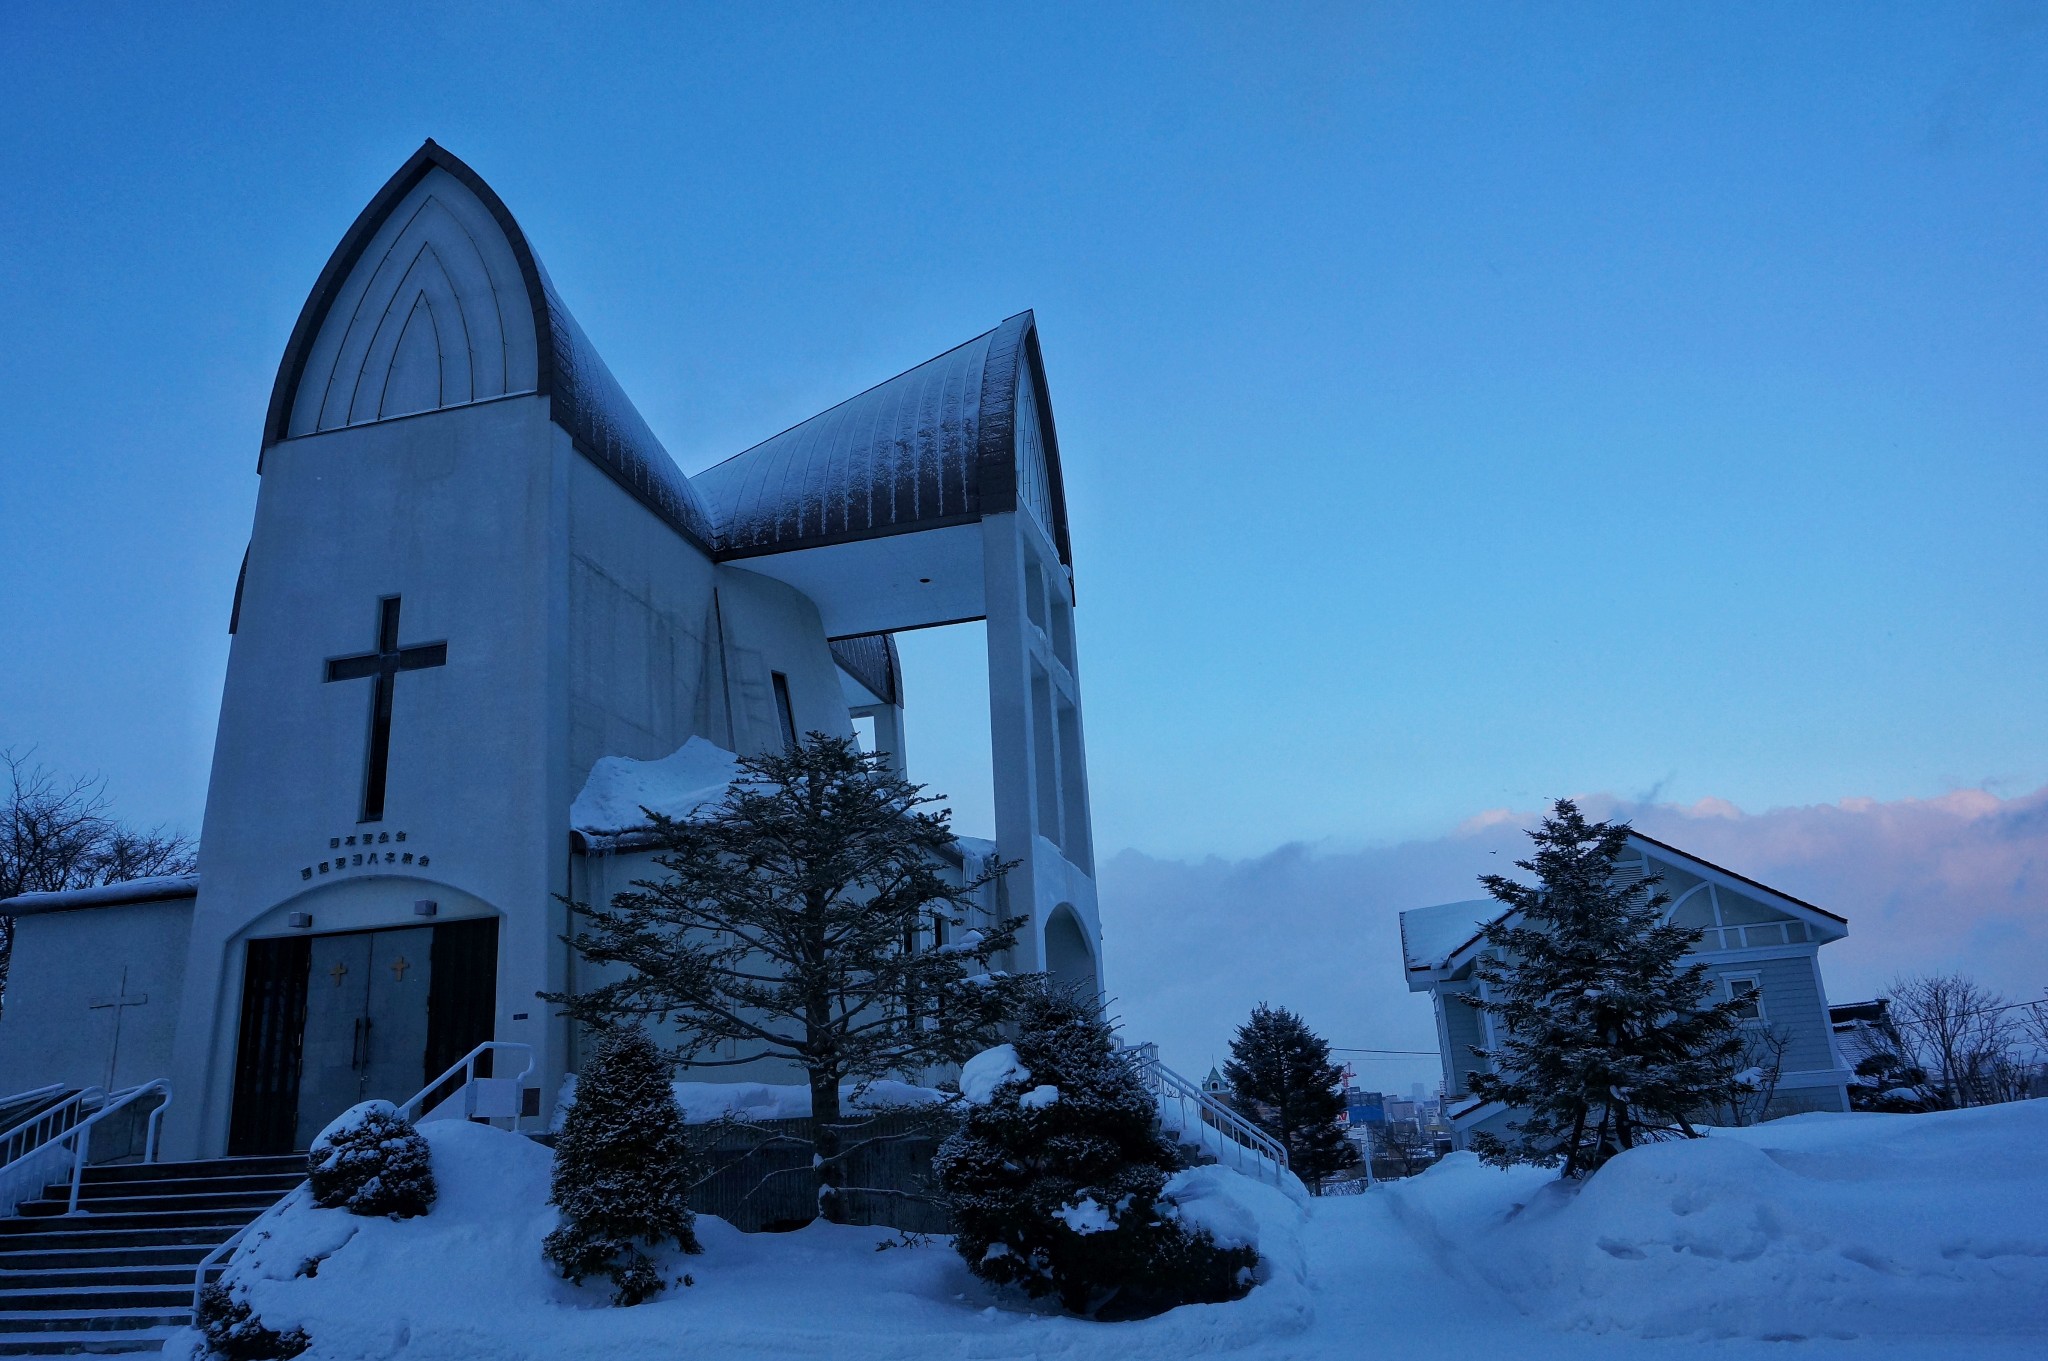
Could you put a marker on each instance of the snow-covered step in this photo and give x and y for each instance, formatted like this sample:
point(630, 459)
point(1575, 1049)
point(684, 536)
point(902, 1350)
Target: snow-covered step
point(97, 1298)
point(117, 1275)
point(85, 1343)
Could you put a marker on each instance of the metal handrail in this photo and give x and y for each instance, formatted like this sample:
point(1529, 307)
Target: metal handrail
point(219, 1254)
point(80, 1134)
point(1242, 1139)
point(20, 1134)
point(412, 1110)
point(28, 1145)
point(23, 1098)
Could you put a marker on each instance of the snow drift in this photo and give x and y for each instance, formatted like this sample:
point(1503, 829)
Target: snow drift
point(467, 1280)
point(1817, 1226)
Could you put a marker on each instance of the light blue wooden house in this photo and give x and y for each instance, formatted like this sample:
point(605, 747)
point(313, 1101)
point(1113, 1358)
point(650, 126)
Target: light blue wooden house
point(1759, 944)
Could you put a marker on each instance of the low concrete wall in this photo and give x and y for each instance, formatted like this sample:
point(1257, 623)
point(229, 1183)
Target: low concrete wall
point(760, 1172)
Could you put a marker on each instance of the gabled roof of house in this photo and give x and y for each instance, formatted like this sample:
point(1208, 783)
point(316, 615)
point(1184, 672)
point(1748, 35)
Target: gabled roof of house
point(1435, 938)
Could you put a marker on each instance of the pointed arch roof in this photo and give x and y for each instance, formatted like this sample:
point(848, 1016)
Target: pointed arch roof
point(936, 445)
point(584, 399)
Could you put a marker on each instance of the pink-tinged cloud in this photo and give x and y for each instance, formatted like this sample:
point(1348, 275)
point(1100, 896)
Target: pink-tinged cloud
point(1955, 882)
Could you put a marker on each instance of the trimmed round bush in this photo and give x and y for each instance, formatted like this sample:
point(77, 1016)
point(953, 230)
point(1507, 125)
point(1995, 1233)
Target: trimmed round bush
point(371, 1161)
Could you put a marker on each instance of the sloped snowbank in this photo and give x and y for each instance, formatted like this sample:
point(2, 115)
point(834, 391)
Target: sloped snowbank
point(1818, 1226)
point(467, 1281)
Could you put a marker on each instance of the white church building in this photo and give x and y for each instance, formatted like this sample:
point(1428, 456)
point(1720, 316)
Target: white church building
point(474, 575)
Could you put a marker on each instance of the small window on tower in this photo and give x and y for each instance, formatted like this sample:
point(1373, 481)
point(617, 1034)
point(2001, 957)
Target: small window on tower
point(1747, 991)
point(784, 710)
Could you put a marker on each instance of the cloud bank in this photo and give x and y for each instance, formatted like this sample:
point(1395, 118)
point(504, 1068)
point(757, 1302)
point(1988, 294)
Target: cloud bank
point(1955, 882)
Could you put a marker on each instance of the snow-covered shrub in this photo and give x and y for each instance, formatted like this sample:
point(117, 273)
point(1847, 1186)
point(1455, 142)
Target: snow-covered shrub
point(1055, 1178)
point(371, 1161)
point(234, 1333)
point(623, 1171)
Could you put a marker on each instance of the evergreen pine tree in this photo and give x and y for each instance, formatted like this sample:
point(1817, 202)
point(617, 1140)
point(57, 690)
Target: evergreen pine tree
point(805, 918)
point(1054, 1179)
point(623, 1171)
point(1606, 1039)
point(1281, 1079)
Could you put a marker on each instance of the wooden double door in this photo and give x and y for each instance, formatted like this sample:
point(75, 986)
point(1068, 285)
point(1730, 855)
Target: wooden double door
point(332, 1020)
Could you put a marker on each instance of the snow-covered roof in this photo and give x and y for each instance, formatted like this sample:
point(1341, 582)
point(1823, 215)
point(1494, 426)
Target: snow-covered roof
point(620, 791)
point(933, 446)
point(1431, 935)
point(583, 397)
point(157, 888)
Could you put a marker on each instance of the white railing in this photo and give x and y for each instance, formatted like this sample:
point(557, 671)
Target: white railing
point(80, 1135)
point(27, 1098)
point(29, 1155)
point(1186, 1110)
point(480, 1098)
point(32, 1154)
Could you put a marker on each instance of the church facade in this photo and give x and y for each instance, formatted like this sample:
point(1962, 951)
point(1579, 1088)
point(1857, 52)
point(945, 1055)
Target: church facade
point(475, 574)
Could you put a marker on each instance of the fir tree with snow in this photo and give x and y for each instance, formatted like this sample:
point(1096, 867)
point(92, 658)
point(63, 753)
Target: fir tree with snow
point(1606, 1038)
point(804, 918)
point(371, 1161)
point(1056, 1177)
point(624, 1167)
point(1281, 1078)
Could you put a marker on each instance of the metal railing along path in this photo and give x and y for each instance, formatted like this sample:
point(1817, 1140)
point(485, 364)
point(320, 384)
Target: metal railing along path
point(1188, 1110)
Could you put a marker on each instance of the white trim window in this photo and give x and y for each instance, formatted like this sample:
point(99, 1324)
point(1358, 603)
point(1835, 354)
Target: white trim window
point(1748, 989)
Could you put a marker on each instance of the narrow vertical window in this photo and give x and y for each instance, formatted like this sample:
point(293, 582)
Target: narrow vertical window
point(784, 710)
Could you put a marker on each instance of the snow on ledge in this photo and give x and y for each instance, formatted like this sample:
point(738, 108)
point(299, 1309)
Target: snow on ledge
point(620, 792)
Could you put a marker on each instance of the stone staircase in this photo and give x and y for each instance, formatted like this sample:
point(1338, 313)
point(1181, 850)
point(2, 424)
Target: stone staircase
point(117, 1276)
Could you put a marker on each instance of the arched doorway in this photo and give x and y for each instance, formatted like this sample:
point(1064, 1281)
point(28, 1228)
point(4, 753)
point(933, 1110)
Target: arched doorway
point(1068, 959)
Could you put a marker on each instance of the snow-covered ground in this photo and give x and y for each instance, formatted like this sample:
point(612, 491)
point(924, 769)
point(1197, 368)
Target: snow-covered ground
point(1815, 1237)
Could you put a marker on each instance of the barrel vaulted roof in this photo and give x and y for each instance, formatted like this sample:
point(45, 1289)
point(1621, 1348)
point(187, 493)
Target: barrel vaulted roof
point(936, 445)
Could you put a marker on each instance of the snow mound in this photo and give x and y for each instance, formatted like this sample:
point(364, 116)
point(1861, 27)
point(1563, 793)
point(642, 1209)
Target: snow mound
point(1240, 1212)
point(467, 1280)
point(1817, 1226)
point(988, 1070)
point(620, 791)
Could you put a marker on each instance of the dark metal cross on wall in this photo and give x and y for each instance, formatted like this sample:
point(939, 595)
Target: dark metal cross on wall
point(383, 665)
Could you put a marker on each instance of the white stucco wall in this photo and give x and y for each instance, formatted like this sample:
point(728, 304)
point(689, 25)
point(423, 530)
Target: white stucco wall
point(463, 514)
point(64, 962)
point(770, 627)
point(643, 637)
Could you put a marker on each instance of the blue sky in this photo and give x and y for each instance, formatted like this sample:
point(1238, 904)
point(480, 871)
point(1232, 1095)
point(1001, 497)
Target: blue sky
point(1461, 405)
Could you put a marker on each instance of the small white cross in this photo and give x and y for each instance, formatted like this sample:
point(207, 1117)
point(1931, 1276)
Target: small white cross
point(118, 1003)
